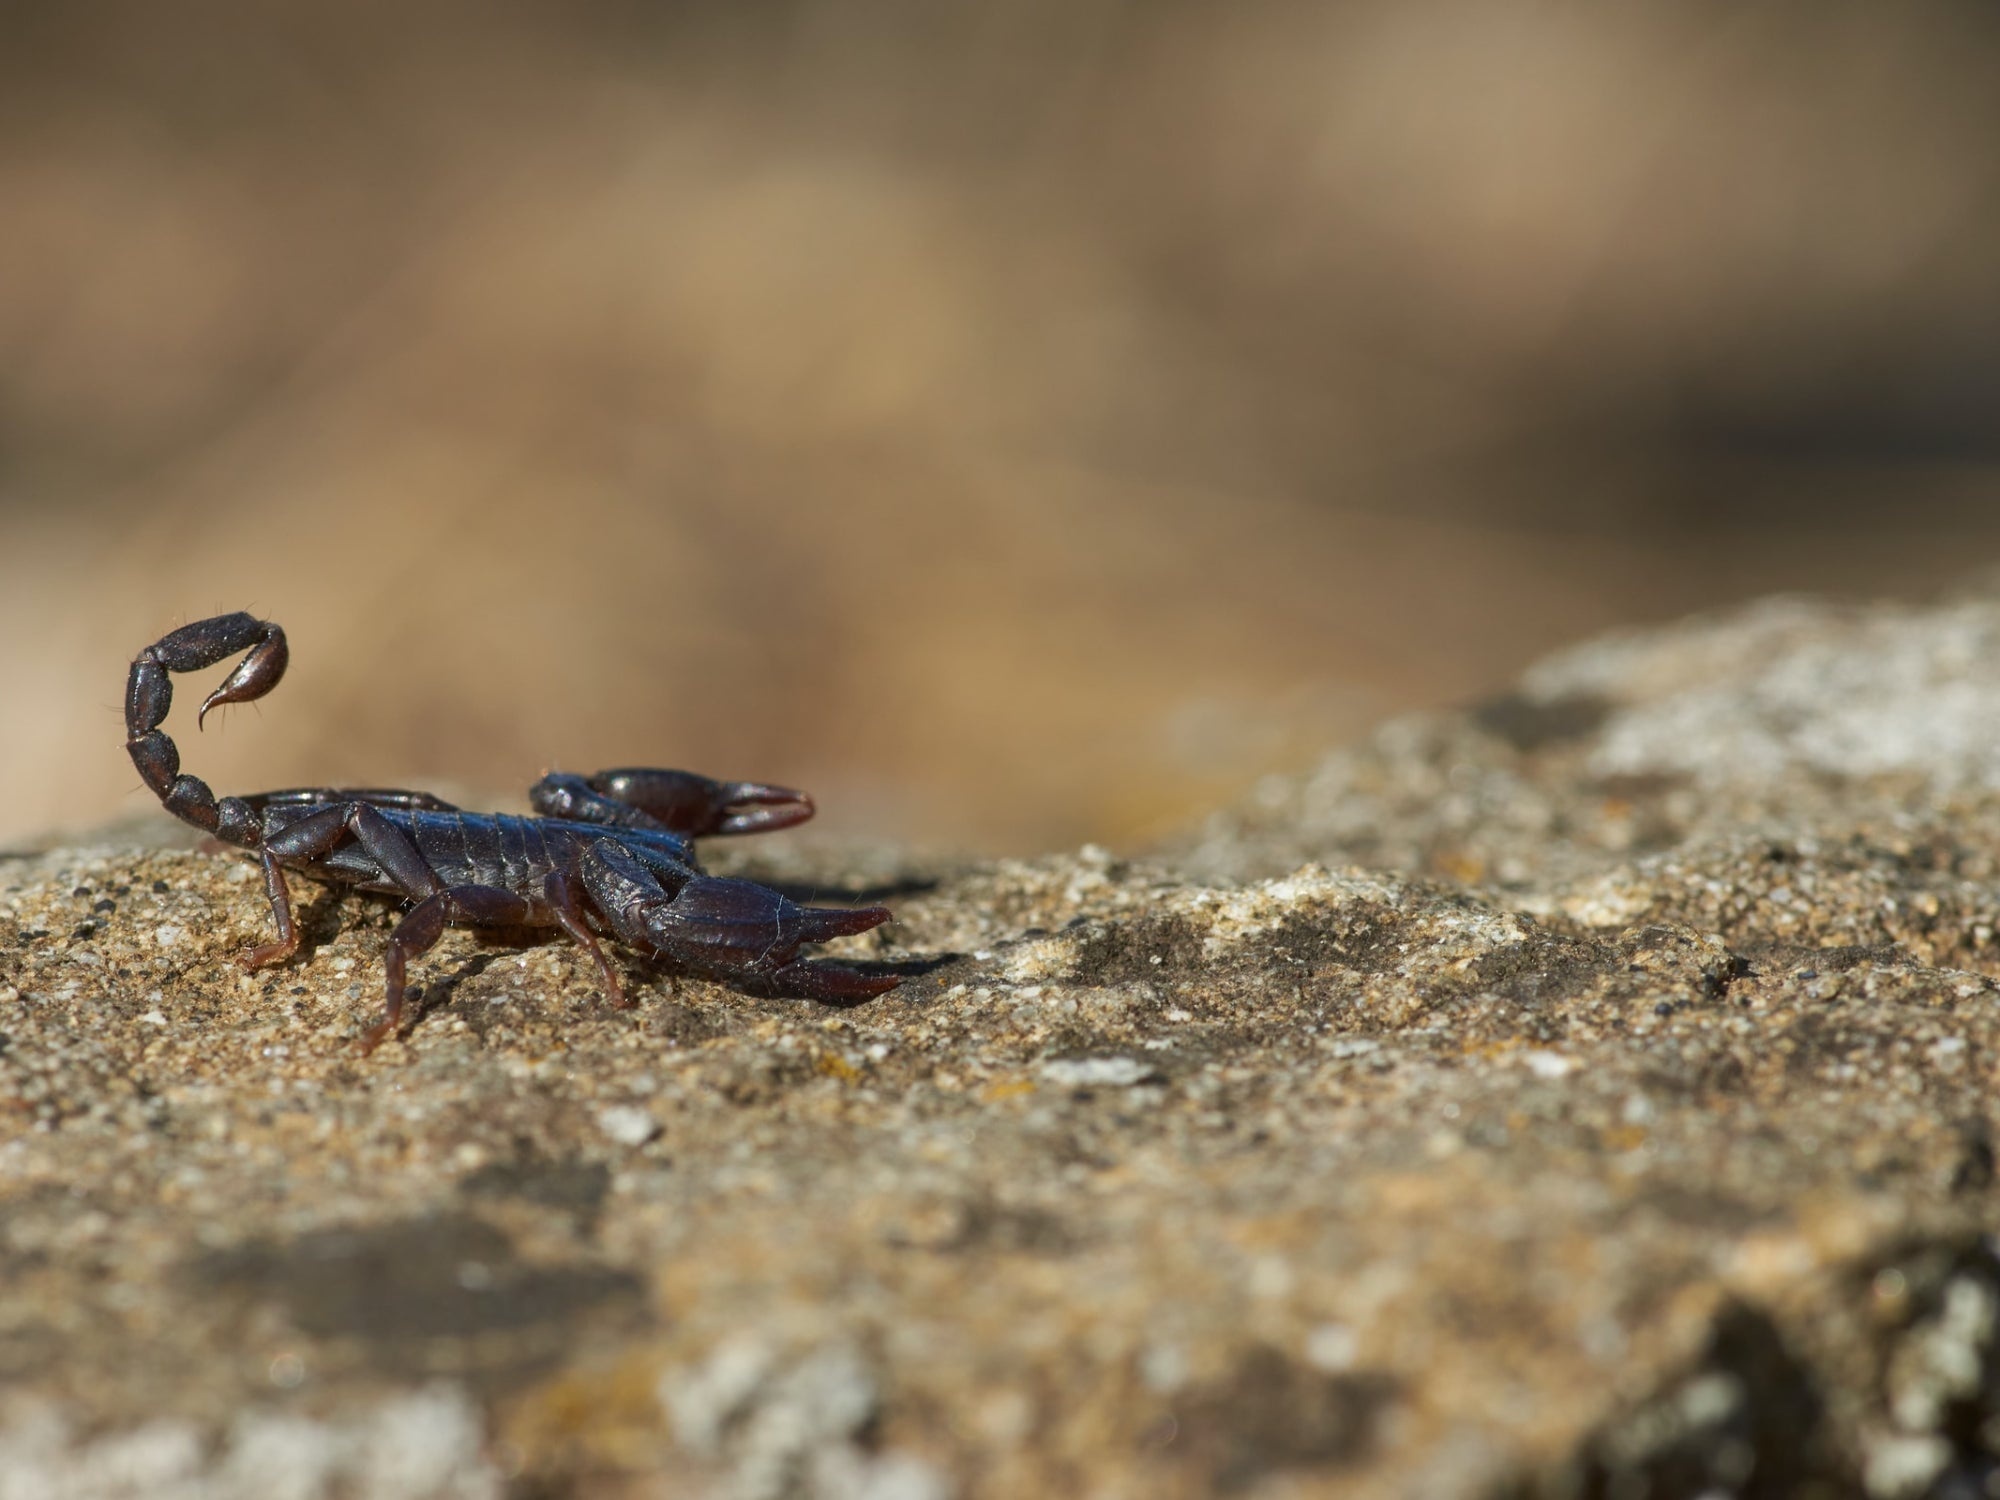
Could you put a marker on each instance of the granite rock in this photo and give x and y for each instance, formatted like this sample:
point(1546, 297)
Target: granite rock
point(1585, 1094)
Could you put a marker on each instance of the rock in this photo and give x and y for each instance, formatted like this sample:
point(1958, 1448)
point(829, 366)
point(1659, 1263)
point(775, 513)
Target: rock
point(1787, 717)
point(1586, 1093)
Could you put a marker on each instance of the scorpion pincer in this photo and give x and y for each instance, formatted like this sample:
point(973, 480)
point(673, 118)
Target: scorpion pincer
point(609, 854)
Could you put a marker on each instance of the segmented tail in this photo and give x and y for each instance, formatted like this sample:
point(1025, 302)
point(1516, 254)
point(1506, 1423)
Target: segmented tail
point(149, 694)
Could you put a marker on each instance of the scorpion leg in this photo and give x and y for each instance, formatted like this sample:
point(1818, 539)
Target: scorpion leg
point(313, 836)
point(303, 840)
point(624, 888)
point(564, 899)
point(281, 916)
point(391, 848)
point(458, 905)
point(677, 801)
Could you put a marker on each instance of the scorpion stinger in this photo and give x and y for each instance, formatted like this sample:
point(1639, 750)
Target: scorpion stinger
point(149, 694)
point(610, 853)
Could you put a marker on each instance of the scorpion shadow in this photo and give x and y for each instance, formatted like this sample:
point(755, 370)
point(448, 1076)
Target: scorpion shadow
point(438, 993)
point(319, 920)
point(655, 971)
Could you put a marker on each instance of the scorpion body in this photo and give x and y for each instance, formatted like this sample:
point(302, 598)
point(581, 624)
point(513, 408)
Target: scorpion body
point(609, 854)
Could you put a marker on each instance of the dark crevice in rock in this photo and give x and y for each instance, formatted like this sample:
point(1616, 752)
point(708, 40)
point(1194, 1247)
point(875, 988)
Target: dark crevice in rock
point(442, 1293)
point(1271, 1415)
point(1530, 724)
point(1888, 1389)
point(1745, 1421)
point(576, 1188)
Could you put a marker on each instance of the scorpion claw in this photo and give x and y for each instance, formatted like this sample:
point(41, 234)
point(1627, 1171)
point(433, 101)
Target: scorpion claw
point(752, 807)
point(744, 930)
point(699, 807)
point(822, 922)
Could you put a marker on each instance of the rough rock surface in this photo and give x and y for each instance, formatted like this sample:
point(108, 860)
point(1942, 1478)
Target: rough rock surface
point(1585, 1095)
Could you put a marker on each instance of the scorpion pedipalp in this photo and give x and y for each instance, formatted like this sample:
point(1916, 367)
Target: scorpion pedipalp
point(736, 930)
point(697, 806)
point(672, 801)
point(743, 923)
point(740, 927)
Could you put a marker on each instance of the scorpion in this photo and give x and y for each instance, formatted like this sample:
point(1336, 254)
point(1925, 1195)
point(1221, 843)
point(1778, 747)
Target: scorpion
point(606, 854)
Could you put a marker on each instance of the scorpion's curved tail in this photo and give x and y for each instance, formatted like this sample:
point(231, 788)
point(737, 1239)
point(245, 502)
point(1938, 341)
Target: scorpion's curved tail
point(149, 693)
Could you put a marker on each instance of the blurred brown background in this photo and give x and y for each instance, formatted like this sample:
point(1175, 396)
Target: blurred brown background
point(1017, 423)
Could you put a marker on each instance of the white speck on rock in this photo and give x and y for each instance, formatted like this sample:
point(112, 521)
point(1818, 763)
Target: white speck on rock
point(1098, 1072)
point(792, 1432)
point(1271, 1278)
point(1941, 1360)
point(1163, 1367)
point(282, 1457)
point(627, 1124)
point(415, 1445)
point(703, 1403)
point(1551, 1065)
point(1902, 1467)
point(147, 1460)
point(422, 1445)
point(1607, 902)
point(846, 1473)
point(1947, 1051)
point(1331, 1348)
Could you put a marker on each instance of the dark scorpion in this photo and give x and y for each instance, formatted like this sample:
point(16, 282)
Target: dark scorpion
point(610, 853)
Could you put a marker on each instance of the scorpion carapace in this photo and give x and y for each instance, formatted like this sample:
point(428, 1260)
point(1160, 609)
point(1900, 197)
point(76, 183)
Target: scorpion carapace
point(611, 853)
